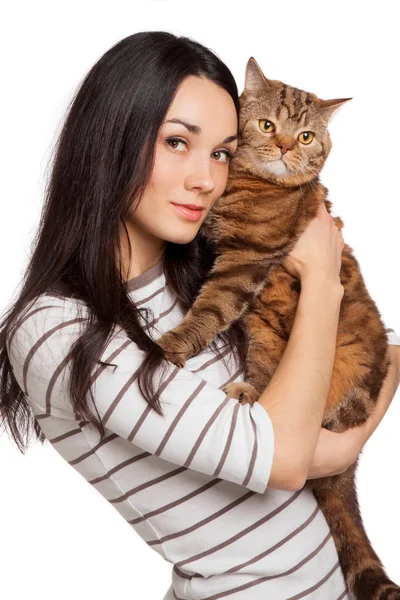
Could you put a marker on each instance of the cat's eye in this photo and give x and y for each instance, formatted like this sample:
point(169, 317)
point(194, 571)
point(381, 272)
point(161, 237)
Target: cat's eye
point(306, 137)
point(266, 126)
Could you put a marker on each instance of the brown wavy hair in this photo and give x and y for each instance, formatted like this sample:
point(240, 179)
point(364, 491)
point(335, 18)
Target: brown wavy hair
point(102, 160)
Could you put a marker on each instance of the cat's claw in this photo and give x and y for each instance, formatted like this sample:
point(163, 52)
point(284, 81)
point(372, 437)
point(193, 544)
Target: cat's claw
point(177, 359)
point(173, 349)
point(244, 392)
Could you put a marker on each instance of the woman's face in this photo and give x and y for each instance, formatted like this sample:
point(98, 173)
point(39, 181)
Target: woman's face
point(191, 165)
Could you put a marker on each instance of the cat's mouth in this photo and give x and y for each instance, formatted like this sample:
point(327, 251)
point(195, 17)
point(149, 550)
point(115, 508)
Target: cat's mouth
point(277, 166)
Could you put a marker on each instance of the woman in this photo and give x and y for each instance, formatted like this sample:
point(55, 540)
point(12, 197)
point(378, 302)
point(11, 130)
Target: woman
point(209, 483)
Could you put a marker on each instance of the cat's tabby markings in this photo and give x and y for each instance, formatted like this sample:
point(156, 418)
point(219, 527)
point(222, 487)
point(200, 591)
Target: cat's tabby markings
point(273, 192)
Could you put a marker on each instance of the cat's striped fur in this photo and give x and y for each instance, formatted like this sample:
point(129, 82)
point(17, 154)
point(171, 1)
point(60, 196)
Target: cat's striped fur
point(273, 191)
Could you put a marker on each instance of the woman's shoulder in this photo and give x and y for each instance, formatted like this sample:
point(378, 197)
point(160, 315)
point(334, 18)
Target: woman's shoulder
point(40, 341)
point(56, 308)
point(45, 309)
point(41, 322)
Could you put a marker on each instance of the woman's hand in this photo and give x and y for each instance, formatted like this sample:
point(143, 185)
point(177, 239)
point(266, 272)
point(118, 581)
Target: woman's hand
point(318, 250)
point(335, 452)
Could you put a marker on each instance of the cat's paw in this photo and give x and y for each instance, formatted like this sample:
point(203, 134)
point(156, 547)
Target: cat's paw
point(174, 349)
point(244, 392)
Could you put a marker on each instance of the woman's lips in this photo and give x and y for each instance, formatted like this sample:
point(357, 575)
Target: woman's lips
point(188, 213)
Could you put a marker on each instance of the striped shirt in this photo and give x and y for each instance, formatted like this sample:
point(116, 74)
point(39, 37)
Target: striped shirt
point(192, 484)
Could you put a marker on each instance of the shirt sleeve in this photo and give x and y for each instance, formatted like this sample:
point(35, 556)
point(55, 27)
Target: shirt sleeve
point(202, 428)
point(393, 338)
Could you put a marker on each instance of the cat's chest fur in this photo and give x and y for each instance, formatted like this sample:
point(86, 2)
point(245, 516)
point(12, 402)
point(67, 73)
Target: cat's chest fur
point(256, 215)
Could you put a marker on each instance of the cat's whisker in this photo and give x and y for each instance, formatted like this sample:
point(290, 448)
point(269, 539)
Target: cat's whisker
point(306, 168)
point(310, 183)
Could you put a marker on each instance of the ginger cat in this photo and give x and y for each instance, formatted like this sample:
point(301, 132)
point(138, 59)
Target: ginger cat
point(273, 191)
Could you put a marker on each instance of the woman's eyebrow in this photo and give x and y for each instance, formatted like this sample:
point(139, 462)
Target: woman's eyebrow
point(196, 129)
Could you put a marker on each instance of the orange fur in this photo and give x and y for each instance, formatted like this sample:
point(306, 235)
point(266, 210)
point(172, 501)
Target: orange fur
point(267, 204)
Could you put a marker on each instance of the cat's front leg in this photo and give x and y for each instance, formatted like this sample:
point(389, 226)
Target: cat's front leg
point(175, 348)
point(242, 391)
point(225, 296)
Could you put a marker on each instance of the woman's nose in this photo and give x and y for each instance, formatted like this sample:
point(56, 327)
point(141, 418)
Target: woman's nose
point(200, 176)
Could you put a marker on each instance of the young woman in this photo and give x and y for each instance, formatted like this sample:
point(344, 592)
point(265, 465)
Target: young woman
point(214, 486)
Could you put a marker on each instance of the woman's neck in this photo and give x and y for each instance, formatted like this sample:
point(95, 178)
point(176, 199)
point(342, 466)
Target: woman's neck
point(146, 251)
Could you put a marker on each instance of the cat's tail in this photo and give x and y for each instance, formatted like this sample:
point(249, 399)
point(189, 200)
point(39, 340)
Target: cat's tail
point(363, 571)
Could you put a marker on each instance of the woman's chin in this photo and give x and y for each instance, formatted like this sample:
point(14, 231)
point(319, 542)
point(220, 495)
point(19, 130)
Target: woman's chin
point(183, 238)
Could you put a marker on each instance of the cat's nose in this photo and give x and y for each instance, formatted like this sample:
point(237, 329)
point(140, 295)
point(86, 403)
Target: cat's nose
point(284, 149)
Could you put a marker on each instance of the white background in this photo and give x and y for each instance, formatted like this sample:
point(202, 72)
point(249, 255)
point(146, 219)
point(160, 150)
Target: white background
point(59, 537)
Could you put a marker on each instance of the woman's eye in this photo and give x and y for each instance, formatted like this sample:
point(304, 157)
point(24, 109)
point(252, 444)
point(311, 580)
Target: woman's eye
point(175, 140)
point(227, 154)
point(174, 144)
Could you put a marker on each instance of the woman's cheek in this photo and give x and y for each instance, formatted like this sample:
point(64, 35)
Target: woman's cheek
point(165, 173)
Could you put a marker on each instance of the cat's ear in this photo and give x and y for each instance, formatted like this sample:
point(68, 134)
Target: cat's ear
point(328, 107)
point(255, 79)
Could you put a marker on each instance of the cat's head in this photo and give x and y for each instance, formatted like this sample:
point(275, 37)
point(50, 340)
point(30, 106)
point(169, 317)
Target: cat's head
point(283, 131)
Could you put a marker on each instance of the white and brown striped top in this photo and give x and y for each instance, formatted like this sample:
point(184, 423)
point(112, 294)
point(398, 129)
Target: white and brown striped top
point(193, 484)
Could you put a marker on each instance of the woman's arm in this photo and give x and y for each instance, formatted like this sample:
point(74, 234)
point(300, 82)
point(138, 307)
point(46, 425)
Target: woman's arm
point(335, 452)
point(201, 427)
point(296, 395)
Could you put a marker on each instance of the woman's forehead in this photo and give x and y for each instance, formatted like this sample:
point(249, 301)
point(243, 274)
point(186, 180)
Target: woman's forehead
point(202, 104)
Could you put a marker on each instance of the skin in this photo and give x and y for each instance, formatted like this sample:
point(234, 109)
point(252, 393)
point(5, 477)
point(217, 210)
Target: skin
point(196, 171)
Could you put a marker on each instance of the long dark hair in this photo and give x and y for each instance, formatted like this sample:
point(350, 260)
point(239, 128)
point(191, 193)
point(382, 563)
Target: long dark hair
point(103, 159)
